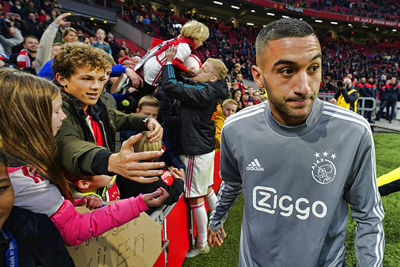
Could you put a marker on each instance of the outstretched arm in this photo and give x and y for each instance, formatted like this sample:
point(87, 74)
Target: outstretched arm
point(76, 228)
point(192, 94)
point(127, 163)
point(46, 41)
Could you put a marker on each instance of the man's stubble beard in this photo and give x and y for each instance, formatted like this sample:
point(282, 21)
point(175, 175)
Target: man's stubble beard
point(284, 110)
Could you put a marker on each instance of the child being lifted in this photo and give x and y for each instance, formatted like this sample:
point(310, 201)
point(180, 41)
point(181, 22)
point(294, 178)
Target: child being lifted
point(192, 36)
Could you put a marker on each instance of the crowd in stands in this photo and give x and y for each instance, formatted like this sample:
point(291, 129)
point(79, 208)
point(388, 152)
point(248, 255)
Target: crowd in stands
point(379, 9)
point(342, 57)
point(232, 45)
point(236, 46)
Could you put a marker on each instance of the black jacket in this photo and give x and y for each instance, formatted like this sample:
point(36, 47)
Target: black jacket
point(368, 90)
point(392, 92)
point(128, 188)
point(198, 103)
point(38, 241)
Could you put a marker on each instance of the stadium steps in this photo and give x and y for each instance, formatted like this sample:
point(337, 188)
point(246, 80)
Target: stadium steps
point(132, 46)
point(137, 39)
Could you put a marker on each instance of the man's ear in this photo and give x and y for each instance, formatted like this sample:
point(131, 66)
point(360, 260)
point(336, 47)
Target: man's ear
point(82, 185)
point(257, 73)
point(214, 79)
point(61, 80)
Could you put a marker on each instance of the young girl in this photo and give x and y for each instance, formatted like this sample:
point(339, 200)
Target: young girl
point(193, 34)
point(27, 238)
point(30, 116)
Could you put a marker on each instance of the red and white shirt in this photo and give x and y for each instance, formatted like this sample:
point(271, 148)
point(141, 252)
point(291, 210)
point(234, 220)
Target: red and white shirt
point(34, 192)
point(155, 59)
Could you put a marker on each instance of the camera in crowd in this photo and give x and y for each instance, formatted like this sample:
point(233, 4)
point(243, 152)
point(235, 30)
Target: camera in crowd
point(340, 84)
point(5, 27)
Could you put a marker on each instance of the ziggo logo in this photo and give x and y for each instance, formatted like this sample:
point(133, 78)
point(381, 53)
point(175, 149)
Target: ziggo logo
point(265, 199)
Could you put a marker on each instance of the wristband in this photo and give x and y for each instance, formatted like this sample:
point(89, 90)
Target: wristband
point(167, 178)
point(54, 26)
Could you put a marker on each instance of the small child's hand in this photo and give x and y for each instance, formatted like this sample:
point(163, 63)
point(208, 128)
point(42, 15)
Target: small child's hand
point(177, 174)
point(170, 53)
point(132, 90)
point(91, 202)
point(156, 198)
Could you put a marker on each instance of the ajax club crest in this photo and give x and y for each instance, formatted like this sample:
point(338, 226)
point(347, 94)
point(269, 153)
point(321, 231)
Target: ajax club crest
point(323, 170)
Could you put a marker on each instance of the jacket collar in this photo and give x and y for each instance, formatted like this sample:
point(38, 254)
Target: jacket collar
point(220, 87)
point(76, 104)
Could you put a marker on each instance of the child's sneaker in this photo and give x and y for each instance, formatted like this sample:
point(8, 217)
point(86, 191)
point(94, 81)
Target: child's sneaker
point(197, 250)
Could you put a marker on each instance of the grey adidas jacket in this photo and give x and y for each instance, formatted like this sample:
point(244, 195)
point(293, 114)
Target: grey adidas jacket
point(297, 184)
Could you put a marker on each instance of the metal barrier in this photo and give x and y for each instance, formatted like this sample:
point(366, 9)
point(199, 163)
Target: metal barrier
point(326, 96)
point(361, 108)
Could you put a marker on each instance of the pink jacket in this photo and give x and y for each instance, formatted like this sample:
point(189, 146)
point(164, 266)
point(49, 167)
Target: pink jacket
point(37, 194)
point(76, 228)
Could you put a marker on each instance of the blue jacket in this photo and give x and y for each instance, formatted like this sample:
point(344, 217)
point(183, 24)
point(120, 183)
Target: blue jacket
point(38, 241)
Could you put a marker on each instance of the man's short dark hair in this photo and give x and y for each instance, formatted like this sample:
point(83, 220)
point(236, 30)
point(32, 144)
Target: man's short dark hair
point(30, 36)
point(282, 28)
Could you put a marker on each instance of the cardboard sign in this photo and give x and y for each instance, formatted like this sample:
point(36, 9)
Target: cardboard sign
point(134, 244)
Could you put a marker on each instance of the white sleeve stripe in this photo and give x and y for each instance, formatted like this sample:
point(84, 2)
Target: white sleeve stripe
point(378, 210)
point(374, 180)
point(366, 125)
point(331, 107)
point(241, 246)
point(379, 248)
point(246, 110)
point(338, 257)
point(349, 118)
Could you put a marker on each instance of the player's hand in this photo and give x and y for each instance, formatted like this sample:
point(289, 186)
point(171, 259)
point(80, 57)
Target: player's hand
point(177, 174)
point(170, 53)
point(136, 80)
point(127, 163)
point(91, 202)
point(156, 131)
point(156, 198)
point(216, 237)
